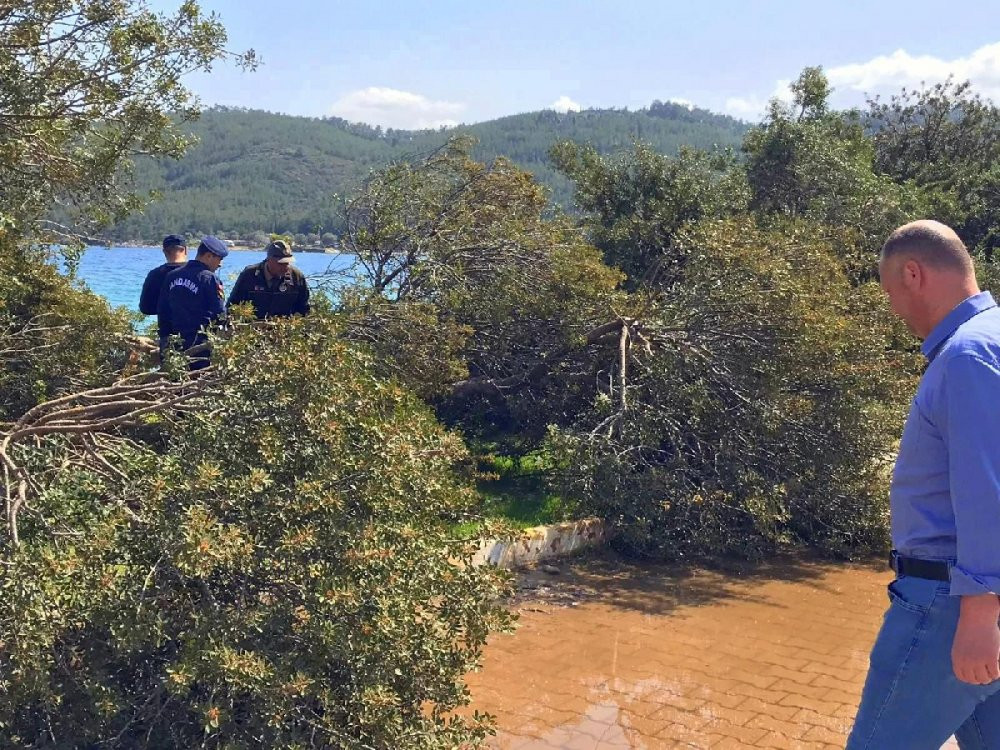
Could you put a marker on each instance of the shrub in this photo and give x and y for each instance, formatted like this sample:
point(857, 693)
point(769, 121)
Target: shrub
point(54, 334)
point(281, 575)
point(765, 411)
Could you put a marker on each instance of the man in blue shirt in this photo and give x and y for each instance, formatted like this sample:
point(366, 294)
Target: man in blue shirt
point(935, 666)
point(191, 298)
point(175, 252)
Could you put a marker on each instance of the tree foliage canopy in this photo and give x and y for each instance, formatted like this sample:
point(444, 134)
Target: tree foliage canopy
point(636, 202)
point(763, 412)
point(805, 161)
point(946, 139)
point(758, 401)
point(84, 85)
point(473, 290)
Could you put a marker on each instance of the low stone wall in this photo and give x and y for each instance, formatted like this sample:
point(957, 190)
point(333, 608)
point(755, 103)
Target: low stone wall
point(542, 543)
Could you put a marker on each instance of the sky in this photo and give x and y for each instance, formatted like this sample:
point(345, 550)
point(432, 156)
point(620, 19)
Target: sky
point(408, 64)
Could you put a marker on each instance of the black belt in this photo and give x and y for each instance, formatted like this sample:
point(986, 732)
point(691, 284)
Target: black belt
point(934, 570)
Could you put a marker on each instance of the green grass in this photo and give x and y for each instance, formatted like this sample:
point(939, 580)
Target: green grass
point(515, 492)
point(524, 508)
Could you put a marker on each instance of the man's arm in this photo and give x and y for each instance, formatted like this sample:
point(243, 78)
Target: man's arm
point(164, 322)
point(240, 291)
point(214, 297)
point(150, 288)
point(971, 430)
point(302, 302)
point(975, 652)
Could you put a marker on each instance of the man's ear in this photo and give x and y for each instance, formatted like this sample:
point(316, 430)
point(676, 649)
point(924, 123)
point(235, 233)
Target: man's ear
point(913, 274)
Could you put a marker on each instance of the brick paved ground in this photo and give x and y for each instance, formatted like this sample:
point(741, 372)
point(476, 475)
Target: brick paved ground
point(611, 656)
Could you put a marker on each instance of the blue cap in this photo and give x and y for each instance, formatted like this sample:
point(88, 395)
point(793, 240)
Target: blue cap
point(213, 245)
point(174, 240)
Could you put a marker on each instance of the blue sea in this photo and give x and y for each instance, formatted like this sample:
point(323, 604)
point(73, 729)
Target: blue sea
point(117, 273)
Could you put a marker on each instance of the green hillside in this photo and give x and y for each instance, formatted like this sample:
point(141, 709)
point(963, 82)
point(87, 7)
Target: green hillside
point(259, 171)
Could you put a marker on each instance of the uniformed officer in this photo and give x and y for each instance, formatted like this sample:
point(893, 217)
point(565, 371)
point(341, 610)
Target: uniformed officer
point(274, 286)
point(175, 253)
point(192, 298)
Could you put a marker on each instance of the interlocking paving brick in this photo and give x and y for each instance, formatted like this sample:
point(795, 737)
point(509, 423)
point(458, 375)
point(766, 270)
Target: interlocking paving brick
point(822, 734)
point(779, 741)
point(809, 718)
point(809, 703)
point(663, 657)
point(784, 727)
point(769, 710)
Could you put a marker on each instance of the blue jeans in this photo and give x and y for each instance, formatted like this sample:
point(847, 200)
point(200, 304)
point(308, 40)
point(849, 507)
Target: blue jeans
point(912, 699)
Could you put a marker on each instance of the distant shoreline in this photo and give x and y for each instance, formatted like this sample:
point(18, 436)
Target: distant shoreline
point(236, 248)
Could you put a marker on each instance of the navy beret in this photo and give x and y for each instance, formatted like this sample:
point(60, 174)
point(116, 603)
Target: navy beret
point(213, 245)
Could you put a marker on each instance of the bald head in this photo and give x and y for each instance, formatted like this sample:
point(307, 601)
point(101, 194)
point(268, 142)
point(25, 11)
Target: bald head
point(925, 270)
point(930, 243)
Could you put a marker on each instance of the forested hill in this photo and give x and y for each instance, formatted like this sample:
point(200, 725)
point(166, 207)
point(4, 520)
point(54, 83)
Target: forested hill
point(254, 170)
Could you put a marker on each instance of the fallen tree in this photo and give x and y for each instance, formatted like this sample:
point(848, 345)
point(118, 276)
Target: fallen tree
point(233, 559)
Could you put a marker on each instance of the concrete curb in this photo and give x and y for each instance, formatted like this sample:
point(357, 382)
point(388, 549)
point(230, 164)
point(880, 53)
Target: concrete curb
point(542, 543)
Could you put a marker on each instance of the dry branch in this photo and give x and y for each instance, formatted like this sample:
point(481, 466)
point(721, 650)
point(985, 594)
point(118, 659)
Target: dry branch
point(622, 328)
point(86, 417)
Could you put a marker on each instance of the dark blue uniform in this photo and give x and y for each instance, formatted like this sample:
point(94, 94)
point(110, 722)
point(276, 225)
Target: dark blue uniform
point(191, 298)
point(149, 300)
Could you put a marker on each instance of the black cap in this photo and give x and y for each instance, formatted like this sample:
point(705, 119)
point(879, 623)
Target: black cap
point(173, 240)
point(280, 251)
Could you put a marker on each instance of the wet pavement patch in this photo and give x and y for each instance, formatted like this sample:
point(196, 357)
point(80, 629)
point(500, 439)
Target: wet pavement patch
point(610, 654)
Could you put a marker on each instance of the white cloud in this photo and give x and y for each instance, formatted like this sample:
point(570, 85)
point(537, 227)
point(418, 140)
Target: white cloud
point(887, 74)
point(392, 108)
point(783, 91)
point(687, 103)
point(892, 72)
point(565, 104)
point(750, 108)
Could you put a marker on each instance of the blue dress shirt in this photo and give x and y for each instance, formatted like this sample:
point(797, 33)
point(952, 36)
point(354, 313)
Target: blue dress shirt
point(945, 495)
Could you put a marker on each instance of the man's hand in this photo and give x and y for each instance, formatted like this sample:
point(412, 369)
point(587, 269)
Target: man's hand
point(975, 653)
